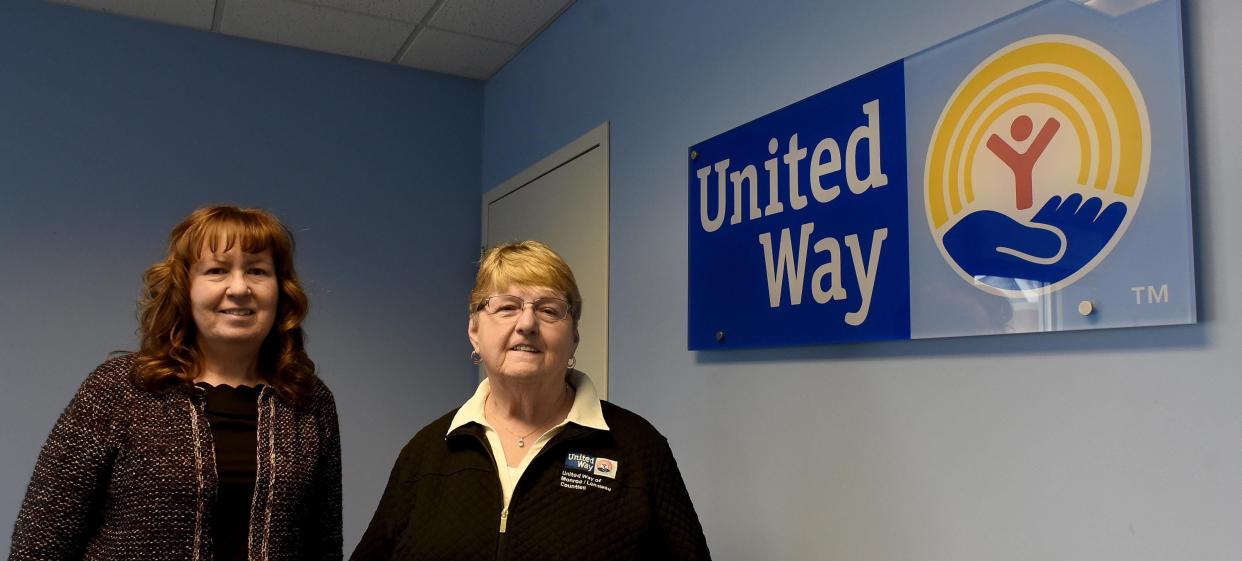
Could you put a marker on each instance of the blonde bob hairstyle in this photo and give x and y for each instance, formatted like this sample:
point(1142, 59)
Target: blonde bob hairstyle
point(169, 356)
point(525, 263)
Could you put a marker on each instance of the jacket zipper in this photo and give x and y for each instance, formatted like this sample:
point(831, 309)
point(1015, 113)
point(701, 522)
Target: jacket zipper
point(504, 512)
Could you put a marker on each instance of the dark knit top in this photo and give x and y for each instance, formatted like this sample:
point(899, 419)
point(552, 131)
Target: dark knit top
point(128, 474)
point(234, 417)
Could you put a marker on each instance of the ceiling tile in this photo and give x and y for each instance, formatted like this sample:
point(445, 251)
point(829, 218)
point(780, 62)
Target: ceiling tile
point(453, 53)
point(189, 13)
point(410, 11)
point(298, 24)
point(511, 21)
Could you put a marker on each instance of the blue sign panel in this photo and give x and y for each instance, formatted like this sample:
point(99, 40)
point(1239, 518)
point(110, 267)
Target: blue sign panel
point(798, 230)
point(1031, 175)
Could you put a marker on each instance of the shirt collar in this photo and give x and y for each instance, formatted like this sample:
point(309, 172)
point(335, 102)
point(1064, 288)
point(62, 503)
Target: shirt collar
point(586, 410)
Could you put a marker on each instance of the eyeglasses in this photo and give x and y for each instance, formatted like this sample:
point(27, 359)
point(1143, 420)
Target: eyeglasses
point(508, 307)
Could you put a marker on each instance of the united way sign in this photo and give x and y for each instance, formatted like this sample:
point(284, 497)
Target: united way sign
point(1031, 175)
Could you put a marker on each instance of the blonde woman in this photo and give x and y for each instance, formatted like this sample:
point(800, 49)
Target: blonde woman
point(533, 466)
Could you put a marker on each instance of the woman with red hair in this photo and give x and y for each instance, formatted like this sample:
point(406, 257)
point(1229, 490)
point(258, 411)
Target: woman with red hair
point(216, 440)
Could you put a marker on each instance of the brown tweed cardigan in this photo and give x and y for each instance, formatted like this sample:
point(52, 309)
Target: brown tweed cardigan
point(130, 474)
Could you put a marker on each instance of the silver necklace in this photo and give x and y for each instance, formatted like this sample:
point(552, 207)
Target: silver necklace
point(521, 439)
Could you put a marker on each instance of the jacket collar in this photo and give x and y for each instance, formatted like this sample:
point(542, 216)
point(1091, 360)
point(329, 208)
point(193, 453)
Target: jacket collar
point(586, 410)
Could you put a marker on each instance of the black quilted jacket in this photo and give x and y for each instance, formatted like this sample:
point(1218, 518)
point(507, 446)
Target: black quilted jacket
point(443, 501)
point(128, 474)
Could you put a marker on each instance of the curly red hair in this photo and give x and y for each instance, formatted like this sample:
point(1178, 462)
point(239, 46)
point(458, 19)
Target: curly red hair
point(168, 356)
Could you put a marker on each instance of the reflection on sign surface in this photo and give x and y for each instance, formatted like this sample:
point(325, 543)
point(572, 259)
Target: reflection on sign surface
point(991, 184)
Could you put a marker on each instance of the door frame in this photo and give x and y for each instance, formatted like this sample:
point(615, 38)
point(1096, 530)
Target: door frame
point(595, 138)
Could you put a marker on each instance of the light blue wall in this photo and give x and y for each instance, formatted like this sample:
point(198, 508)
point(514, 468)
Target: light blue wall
point(113, 129)
point(1119, 445)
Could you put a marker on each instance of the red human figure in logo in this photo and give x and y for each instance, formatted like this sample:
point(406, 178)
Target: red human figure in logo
point(1022, 163)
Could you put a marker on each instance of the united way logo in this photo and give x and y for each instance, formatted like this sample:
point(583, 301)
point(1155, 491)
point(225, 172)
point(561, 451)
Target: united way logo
point(1037, 165)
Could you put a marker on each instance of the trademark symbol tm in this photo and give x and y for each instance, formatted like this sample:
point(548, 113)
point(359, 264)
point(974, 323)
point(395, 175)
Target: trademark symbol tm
point(1151, 294)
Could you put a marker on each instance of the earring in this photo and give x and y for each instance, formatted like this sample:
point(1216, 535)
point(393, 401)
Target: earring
point(475, 357)
point(572, 361)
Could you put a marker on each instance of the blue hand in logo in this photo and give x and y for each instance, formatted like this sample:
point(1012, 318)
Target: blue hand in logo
point(1059, 240)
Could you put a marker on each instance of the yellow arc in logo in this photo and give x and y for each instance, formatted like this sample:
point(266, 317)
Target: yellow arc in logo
point(1075, 77)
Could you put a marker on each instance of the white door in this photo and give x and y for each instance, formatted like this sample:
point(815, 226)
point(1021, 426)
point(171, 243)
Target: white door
point(562, 201)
